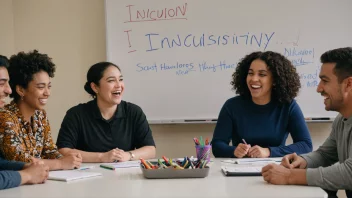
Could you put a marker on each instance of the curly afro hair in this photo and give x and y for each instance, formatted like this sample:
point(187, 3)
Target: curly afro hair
point(285, 78)
point(24, 65)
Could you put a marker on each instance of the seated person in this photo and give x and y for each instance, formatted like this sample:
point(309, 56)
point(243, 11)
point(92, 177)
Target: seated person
point(13, 174)
point(24, 126)
point(106, 129)
point(329, 167)
point(259, 120)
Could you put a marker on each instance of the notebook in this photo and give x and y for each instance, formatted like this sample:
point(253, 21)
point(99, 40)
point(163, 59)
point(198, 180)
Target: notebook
point(254, 161)
point(127, 164)
point(242, 171)
point(70, 175)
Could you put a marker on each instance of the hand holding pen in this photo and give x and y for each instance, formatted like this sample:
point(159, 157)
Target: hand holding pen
point(242, 149)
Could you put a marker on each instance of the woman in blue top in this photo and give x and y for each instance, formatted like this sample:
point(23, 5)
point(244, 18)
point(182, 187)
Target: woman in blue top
point(259, 120)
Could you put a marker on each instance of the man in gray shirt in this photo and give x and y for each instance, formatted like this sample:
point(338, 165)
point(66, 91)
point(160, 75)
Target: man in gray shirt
point(329, 167)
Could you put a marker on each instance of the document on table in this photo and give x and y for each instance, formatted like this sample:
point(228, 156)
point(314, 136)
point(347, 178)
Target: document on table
point(253, 161)
point(242, 170)
point(127, 164)
point(70, 175)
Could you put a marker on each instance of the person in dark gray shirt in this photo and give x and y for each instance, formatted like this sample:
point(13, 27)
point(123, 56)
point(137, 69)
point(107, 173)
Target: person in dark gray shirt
point(329, 167)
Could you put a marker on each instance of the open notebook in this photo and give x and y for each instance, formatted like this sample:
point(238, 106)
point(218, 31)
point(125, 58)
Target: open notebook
point(70, 175)
point(242, 170)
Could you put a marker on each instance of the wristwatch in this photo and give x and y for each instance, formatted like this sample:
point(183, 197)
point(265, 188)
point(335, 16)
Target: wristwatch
point(132, 155)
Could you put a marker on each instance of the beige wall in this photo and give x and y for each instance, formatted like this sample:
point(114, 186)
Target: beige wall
point(7, 45)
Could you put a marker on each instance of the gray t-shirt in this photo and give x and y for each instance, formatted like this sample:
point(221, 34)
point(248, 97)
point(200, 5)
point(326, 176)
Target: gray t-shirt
point(330, 167)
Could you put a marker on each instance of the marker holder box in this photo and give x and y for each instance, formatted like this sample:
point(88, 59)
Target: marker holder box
point(169, 173)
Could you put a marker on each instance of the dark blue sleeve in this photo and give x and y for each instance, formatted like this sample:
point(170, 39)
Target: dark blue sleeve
point(9, 179)
point(223, 134)
point(10, 165)
point(302, 142)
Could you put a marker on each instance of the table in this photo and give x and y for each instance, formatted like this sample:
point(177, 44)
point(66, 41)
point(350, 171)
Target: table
point(129, 182)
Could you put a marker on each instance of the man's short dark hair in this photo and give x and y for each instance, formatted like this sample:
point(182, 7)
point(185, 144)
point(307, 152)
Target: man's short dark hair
point(343, 59)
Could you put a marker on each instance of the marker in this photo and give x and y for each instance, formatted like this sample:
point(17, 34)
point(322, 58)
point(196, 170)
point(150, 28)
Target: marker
point(324, 118)
point(244, 141)
point(102, 166)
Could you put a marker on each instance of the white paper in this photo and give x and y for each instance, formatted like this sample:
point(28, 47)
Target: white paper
point(70, 175)
point(128, 164)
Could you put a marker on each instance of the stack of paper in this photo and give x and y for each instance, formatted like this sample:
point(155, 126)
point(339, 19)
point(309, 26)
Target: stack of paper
point(242, 171)
point(128, 164)
point(70, 175)
point(254, 161)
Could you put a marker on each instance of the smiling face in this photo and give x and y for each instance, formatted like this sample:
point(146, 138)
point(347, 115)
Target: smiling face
point(36, 94)
point(330, 88)
point(111, 87)
point(5, 89)
point(260, 82)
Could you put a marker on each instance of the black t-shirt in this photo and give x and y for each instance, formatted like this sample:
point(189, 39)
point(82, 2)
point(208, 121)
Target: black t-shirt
point(85, 129)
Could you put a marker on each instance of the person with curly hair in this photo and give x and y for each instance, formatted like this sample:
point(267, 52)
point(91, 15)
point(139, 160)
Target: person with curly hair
point(106, 129)
point(12, 173)
point(329, 167)
point(24, 126)
point(260, 118)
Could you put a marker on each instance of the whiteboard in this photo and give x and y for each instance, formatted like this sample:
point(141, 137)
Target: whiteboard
point(177, 57)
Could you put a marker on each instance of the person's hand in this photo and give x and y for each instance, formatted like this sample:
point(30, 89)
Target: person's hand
point(293, 161)
point(241, 150)
point(123, 156)
point(259, 152)
point(115, 155)
point(71, 161)
point(276, 174)
point(36, 160)
point(34, 173)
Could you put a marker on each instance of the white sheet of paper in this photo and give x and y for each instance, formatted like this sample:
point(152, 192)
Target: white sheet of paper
point(127, 164)
point(70, 175)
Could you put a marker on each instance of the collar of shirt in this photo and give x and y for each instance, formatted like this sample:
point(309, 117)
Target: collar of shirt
point(119, 113)
point(348, 120)
point(13, 107)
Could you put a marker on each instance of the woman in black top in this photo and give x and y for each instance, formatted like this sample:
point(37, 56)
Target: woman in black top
point(106, 129)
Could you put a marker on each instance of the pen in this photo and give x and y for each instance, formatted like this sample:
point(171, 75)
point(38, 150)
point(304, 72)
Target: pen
point(86, 168)
point(244, 141)
point(196, 141)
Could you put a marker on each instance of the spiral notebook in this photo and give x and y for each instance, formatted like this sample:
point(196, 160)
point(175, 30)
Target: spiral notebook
point(70, 175)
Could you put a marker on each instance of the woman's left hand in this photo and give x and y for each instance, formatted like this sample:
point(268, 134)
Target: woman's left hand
point(258, 152)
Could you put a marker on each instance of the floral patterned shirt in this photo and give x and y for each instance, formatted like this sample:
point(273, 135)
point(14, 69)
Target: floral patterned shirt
point(20, 140)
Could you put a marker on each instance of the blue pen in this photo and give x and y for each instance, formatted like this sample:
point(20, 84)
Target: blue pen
point(86, 168)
